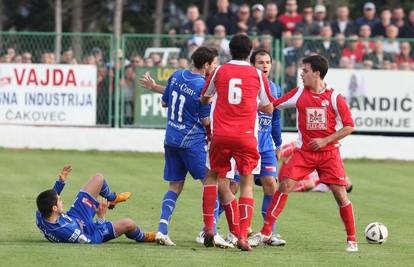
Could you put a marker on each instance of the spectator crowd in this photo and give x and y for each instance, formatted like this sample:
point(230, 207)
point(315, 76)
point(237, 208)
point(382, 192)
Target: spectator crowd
point(371, 41)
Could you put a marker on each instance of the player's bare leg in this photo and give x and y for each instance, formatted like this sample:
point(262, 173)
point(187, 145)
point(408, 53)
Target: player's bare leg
point(209, 202)
point(246, 204)
point(97, 185)
point(347, 215)
point(132, 231)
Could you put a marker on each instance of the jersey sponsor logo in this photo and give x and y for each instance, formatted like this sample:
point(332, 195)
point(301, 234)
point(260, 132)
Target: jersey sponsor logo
point(316, 119)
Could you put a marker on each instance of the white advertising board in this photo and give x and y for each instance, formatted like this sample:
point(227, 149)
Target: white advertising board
point(41, 94)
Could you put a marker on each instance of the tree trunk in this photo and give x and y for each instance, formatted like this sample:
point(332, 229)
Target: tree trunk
point(206, 7)
point(77, 26)
point(58, 29)
point(159, 17)
point(117, 67)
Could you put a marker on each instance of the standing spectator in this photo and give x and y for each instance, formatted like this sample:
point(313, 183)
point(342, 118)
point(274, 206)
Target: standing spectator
point(378, 56)
point(183, 63)
point(368, 17)
point(192, 15)
point(199, 35)
point(223, 16)
point(352, 51)
point(46, 58)
point(245, 23)
point(220, 35)
point(68, 58)
point(257, 15)
point(378, 30)
point(343, 24)
point(298, 50)
point(407, 31)
point(405, 54)
point(270, 25)
point(128, 94)
point(391, 45)
point(327, 48)
point(18, 59)
point(26, 57)
point(97, 53)
point(291, 17)
point(90, 60)
point(398, 16)
point(11, 52)
point(307, 26)
point(320, 16)
point(365, 44)
point(137, 61)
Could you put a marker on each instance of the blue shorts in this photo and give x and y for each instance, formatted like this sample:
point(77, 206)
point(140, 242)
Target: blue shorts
point(179, 161)
point(83, 210)
point(268, 166)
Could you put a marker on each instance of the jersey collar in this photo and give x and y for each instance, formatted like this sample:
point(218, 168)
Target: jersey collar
point(239, 62)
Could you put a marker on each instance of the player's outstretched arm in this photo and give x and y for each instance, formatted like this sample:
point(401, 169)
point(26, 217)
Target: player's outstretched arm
point(148, 82)
point(63, 176)
point(266, 108)
point(318, 143)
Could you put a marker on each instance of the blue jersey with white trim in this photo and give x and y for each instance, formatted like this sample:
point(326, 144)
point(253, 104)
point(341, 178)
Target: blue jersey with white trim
point(269, 133)
point(65, 230)
point(185, 111)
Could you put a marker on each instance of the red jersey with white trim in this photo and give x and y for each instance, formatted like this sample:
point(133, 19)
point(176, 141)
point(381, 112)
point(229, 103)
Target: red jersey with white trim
point(318, 115)
point(238, 86)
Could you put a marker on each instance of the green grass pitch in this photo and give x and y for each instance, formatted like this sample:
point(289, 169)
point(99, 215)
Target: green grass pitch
point(383, 191)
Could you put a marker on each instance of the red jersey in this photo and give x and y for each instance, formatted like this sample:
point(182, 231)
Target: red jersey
point(238, 86)
point(290, 22)
point(318, 115)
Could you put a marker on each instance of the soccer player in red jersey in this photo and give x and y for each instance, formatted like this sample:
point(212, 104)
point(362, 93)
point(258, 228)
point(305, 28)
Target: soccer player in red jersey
point(321, 111)
point(238, 85)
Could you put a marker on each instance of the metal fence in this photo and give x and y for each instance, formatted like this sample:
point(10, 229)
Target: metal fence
point(67, 48)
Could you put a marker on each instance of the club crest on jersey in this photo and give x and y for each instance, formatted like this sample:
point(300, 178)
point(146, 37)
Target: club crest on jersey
point(87, 202)
point(325, 103)
point(316, 119)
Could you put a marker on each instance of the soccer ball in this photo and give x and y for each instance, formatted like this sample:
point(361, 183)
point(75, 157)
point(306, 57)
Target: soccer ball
point(376, 233)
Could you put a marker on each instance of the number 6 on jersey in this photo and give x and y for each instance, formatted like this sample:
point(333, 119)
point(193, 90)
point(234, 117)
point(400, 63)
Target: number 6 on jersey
point(235, 92)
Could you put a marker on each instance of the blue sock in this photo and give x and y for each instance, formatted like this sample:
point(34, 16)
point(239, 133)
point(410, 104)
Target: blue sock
point(216, 214)
point(106, 192)
point(136, 235)
point(221, 210)
point(167, 208)
point(266, 201)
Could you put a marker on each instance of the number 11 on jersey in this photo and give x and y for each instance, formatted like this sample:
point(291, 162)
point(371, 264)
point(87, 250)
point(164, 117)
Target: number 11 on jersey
point(180, 106)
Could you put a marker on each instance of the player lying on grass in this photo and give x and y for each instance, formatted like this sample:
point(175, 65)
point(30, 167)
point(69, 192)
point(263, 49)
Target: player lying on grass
point(77, 225)
point(311, 182)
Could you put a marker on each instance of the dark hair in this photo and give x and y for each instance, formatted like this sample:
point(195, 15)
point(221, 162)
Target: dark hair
point(260, 52)
point(203, 55)
point(45, 202)
point(240, 46)
point(317, 63)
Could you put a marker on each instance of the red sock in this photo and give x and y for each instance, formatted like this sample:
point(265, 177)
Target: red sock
point(347, 215)
point(246, 206)
point(233, 218)
point(209, 203)
point(273, 211)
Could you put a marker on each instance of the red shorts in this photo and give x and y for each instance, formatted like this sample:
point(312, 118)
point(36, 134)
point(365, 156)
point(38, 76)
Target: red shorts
point(328, 164)
point(243, 150)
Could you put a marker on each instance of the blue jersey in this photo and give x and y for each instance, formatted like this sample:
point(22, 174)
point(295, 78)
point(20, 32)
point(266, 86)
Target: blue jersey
point(269, 125)
point(185, 112)
point(76, 226)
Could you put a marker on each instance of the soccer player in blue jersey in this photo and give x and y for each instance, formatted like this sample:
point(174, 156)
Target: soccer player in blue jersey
point(185, 137)
point(77, 225)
